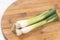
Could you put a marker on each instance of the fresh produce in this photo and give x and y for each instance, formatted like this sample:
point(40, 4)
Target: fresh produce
point(31, 21)
point(27, 29)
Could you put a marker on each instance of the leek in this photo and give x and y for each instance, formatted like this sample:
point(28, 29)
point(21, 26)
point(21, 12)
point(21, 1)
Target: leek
point(24, 23)
point(27, 29)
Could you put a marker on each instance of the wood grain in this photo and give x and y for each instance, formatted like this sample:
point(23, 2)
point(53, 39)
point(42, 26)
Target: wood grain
point(24, 9)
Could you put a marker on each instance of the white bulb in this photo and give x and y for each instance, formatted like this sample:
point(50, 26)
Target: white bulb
point(18, 32)
point(26, 29)
point(21, 23)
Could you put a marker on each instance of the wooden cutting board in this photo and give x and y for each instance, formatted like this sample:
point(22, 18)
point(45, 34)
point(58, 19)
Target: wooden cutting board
point(24, 9)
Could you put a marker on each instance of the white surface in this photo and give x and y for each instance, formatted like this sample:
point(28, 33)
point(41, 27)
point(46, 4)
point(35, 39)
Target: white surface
point(4, 4)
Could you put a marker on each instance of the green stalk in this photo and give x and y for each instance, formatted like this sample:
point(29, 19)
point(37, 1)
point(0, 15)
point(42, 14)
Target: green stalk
point(24, 30)
point(41, 16)
point(31, 21)
point(52, 18)
point(27, 29)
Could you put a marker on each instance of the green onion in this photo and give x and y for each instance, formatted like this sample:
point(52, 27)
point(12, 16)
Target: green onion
point(27, 29)
point(24, 23)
